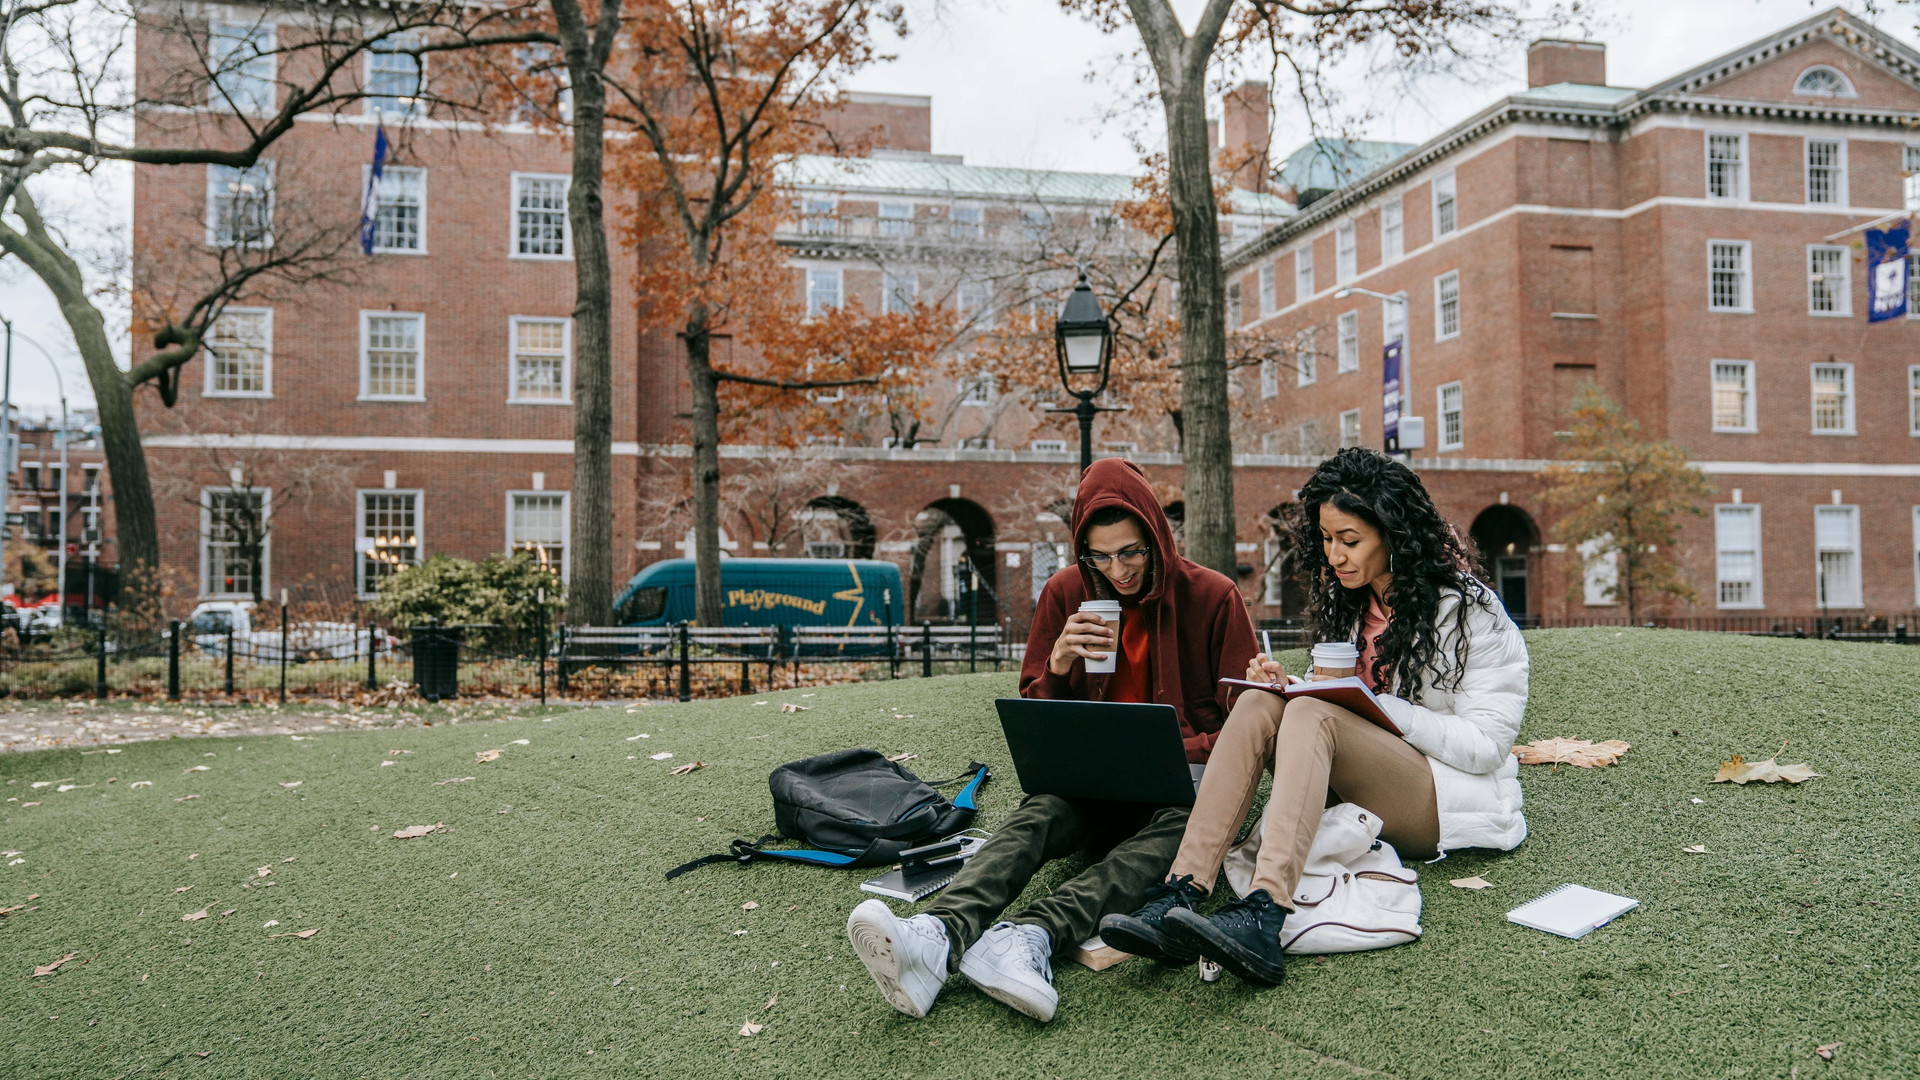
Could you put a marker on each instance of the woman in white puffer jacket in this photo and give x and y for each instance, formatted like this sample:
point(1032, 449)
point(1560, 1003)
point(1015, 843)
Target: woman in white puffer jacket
point(1383, 570)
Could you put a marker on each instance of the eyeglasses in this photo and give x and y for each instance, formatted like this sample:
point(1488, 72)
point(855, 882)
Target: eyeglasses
point(1131, 555)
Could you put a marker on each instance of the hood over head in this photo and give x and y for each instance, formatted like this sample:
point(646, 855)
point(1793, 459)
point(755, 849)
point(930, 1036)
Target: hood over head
point(1119, 482)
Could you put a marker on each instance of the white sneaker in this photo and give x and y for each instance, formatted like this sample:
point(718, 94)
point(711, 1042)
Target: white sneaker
point(906, 957)
point(1012, 963)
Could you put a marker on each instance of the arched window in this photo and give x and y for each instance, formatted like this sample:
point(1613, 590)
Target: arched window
point(1823, 81)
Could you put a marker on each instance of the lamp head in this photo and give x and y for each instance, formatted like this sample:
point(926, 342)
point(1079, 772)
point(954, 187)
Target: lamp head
point(1081, 334)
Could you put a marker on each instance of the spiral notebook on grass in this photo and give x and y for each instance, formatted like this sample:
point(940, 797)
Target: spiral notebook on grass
point(1572, 911)
point(916, 879)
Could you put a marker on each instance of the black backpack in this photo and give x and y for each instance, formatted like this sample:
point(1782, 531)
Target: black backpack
point(857, 809)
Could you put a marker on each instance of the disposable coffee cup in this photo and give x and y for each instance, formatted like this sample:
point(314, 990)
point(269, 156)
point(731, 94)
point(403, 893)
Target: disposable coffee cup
point(1335, 660)
point(1108, 610)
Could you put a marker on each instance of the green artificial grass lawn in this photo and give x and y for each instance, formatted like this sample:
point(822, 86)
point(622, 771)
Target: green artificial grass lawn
point(536, 937)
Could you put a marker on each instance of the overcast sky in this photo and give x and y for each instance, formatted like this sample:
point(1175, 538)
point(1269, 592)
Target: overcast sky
point(1019, 82)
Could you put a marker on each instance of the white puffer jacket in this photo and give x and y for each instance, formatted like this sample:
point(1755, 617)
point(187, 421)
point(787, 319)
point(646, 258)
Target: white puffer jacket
point(1468, 733)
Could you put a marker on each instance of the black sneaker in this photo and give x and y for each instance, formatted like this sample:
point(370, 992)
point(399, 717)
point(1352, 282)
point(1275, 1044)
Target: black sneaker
point(1142, 933)
point(1243, 937)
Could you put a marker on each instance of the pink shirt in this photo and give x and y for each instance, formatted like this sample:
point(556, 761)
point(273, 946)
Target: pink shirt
point(1373, 623)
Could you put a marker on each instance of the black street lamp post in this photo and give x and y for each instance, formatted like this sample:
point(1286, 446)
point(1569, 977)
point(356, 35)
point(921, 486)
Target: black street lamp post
point(1083, 344)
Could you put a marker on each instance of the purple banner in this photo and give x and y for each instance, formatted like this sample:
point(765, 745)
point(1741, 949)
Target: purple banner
point(1887, 273)
point(1390, 395)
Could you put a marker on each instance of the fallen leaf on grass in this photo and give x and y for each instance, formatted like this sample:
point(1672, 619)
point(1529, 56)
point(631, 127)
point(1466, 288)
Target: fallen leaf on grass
point(1475, 882)
point(186, 798)
point(1737, 771)
point(24, 805)
point(901, 757)
point(262, 871)
point(184, 888)
point(6, 911)
point(661, 756)
point(195, 916)
point(1825, 1053)
point(682, 770)
point(790, 707)
point(389, 763)
point(301, 934)
point(455, 780)
point(630, 738)
point(413, 831)
point(293, 783)
point(196, 768)
point(228, 912)
point(488, 755)
point(751, 1028)
point(270, 924)
point(750, 906)
point(771, 1002)
point(1697, 849)
point(48, 969)
point(739, 933)
point(1583, 753)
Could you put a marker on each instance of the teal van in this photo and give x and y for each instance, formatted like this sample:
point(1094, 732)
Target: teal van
point(770, 592)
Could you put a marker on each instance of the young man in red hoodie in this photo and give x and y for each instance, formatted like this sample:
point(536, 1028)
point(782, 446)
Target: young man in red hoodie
point(1182, 627)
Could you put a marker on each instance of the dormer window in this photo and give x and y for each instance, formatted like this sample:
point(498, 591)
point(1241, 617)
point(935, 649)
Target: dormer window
point(1822, 81)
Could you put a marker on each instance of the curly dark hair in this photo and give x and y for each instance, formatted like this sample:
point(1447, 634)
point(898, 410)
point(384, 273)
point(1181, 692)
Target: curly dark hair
point(1427, 555)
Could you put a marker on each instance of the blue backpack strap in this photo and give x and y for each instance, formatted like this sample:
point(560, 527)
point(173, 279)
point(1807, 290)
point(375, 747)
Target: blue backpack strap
point(745, 851)
point(965, 798)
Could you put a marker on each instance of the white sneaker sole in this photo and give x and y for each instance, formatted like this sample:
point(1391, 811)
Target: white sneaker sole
point(870, 929)
point(1038, 1001)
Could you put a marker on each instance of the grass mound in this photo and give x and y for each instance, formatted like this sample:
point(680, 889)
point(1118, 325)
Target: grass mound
point(534, 935)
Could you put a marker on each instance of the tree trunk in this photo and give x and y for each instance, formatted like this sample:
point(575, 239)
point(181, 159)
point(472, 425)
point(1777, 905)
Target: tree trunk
point(590, 533)
point(137, 536)
point(709, 604)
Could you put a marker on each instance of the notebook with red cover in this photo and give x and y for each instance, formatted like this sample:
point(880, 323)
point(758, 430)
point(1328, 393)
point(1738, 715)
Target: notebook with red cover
point(1348, 693)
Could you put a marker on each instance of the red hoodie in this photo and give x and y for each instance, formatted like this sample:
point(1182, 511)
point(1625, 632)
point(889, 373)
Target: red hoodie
point(1197, 623)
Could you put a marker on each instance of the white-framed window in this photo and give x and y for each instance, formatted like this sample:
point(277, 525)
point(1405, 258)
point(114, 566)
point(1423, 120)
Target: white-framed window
point(972, 297)
point(387, 536)
point(1303, 272)
point(240, 59)
point(1306, 351)
point(391, 347)
point(1827, 171)
point(1233, 305)
point(1393, 230)
point(1446, 208)
point(1736, 554)
point(1035, 224)
point(1350, 428)
point(1729, 281)
point(1599, 573)
point(1273, 554)
point(1269, 379)
point(1833, 399)
point(896, 219)
point(540, 229)
point(1733, 404)
point(1727, 166)
point(1452, 416)
point(240, 205)
point(240, 353)
point(1048, 446)
point(978, 389)
point(1823, 81)
point(1348, 349)
point(231, 521)
point(1836, 539)
point(400, 225)
point(1393, 322)
point(966, 222)
point(899, 289)
point(1910, 184)
point(1829, 284)
point(823, 289)
point(819, 216)
point(1269, 291)
point(537, 522)
point(542, 360)
point(1913, 399)
point(393, 77)
point(1346, 252)
point(1446, 306)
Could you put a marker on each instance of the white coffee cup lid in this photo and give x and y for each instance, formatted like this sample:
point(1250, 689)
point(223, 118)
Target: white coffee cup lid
point(1099, 605)
point(1336, 651)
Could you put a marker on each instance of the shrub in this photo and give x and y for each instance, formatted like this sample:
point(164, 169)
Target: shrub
point(501, 593)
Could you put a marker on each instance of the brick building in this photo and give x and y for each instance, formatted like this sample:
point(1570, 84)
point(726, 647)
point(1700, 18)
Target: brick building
point(59, 501)
point(1689, 248)
point(1573, 231)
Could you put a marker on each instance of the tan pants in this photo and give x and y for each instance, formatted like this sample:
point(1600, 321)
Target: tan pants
point(1310, 746)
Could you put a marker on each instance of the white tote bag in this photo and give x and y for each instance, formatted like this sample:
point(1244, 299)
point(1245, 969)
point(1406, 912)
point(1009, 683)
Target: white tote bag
point(1353, 894)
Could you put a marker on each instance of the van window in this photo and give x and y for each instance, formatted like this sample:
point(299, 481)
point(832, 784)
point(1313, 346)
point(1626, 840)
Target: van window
point(213, 622)
point(646, 604)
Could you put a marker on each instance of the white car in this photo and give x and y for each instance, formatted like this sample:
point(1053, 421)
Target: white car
point(210, 622)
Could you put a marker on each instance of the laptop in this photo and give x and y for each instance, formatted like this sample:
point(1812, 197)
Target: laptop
point(1098, 750)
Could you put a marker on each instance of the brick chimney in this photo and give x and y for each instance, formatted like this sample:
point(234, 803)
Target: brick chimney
point(1244, 136)
point(1556, 60)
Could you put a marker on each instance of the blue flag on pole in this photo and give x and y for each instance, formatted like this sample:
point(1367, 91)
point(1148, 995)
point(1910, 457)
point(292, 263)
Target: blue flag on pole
point(1390, 394)
point(370, 205)
point(1887, 272)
